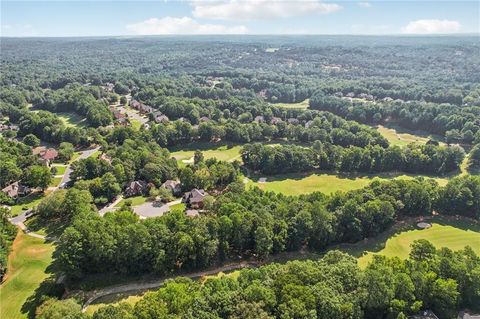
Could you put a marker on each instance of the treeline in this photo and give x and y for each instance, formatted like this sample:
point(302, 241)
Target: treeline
point(459, 124)
point(334, 286)
point(424, 159)
point(90, 102)
point(8, 232)
point(250, 223)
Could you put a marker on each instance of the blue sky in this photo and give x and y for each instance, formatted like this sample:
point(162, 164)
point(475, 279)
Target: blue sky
point(100, 18)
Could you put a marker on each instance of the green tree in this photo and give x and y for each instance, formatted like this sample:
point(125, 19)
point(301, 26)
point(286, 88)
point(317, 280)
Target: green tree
point(37, 176)
point(31, 140)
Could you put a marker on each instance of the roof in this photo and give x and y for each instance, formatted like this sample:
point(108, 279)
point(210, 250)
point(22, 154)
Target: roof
point(192, 212)
point(195, 195)
point(49, 154)
point(171, 183)
point(14, 189)
point(37, 150)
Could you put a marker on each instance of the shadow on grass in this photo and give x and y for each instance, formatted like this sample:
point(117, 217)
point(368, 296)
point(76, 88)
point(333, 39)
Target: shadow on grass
point(50, 228)
point(47, 289)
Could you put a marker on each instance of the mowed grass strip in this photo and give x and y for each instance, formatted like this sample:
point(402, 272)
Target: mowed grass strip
point(299, 105)
point(27, 266)
point(439, 235)
point(304, 183)
point(71, 119)
point(222, 152)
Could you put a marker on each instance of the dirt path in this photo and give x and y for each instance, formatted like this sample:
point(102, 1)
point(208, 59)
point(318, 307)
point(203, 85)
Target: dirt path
point(157, 283)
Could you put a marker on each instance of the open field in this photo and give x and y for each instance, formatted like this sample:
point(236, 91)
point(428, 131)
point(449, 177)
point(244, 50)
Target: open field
point(27, 269)
point(445, 232)
point(71, 119)
point(113, 300)
point(303, 183)
point(223, 152)
point(401, 137)
point(299, 105)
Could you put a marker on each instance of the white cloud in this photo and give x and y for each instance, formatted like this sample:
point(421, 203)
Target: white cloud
point(365, 4)
point(259, 9)
point(432, 26)
point(184, 25)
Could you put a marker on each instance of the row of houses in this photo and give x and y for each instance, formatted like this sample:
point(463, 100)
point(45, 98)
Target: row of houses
point(144, 109)
point(276, 120)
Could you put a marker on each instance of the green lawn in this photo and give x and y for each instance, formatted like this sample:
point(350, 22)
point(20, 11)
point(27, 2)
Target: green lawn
point(299, 105)
point(440, 235)
point(303, 183)
point(74, 157)
point(113, 300)
point(181, 207)
point(223, 152)
point(71, 119)
point(26, 202)
point(136, 200)
point(55, 181)
point(401, 137)
point(27, 265)
point(60, 169)
point(136, 124)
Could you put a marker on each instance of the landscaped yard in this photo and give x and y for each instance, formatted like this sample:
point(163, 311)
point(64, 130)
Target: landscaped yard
point(55, 181)
point(26, 202)
point(60, 169)
point(113, 300)
point(27, 266)
point(136, 200)
point(299, 105)
point(303, 183)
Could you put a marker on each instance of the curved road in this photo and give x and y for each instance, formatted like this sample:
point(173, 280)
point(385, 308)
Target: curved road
point(157, 283)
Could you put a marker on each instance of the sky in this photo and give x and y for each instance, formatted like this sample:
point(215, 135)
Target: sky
point(163, 17)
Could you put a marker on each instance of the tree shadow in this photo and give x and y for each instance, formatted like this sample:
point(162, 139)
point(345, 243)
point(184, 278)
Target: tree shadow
point(48, 288)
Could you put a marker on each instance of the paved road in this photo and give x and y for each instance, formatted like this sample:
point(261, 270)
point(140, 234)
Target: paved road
point(157, 283)
point(20, 219)
point(83, 154)
point(110, 207)
point(154, 209)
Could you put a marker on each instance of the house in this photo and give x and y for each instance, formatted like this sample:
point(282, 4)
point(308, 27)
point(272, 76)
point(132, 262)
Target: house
point(204, 119)
point(109, 86)
point(174, 186)
point(159, 117)
point(275, 120)
point(48, 155)
point(259, 119)
point(122, 121)
point(308, 124)
point(293, 121)
point(15, 190)
point(136, 188)
point(194, 198)
point(135, 104)
point(466, 315)
point(39, 149)
point(6, 127)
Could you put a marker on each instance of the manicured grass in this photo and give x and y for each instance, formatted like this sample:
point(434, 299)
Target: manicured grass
point(26, 202)
point(60, 169)
point(234, 275)
point(55, 181)
point(113, 300)
point(71, 119)
point(136, 124)
point(181, 207)
point(303, 183)
point(136, 200)
point(74, 157)
point(27, 266)
point(223, 152)
point(439, 235)
point(401, 137)
point(299, 105)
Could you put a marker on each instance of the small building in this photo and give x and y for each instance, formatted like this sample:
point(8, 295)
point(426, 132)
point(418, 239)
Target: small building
point(308, 124)
point(174, 186)
point(275, 120)
point(204, 119)
point(192, 213)
point(48, 155)
point(104, 157)
point(425, 314)
point(467, 315)
point(293, 121)
point(259, 119)
point(194, 198)
point(136, 188)
point(16, 190)
point(159, 117)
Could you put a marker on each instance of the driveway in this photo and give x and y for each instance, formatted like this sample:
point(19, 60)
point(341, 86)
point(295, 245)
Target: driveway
point(83, 154)
point(154, 209)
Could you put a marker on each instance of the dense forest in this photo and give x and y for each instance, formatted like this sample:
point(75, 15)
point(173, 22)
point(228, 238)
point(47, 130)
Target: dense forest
point(291, 105)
